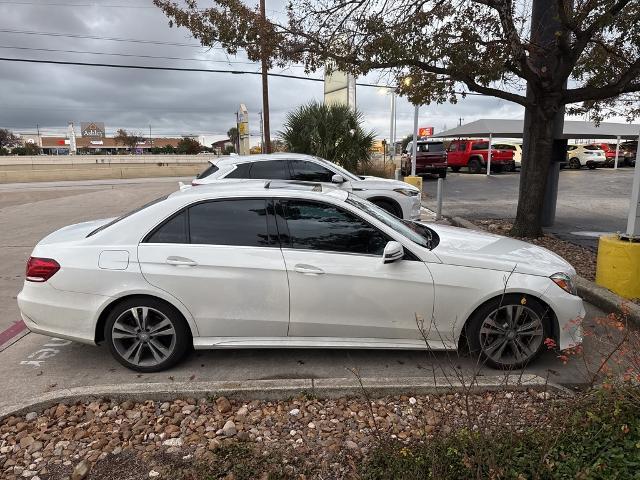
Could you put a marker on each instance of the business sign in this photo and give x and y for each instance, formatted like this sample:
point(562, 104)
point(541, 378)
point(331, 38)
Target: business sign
point(339, 88)
point(92, 129)
point(425, 131)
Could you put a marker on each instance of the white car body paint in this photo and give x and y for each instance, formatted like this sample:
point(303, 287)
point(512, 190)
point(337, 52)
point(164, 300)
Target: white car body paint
point(236, 297)
point(367, 187)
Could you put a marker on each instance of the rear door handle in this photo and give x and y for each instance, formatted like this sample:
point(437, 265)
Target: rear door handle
point(307, 269)
point(181, 261)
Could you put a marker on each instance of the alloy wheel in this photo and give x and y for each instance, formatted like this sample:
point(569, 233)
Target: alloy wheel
point(143, 336)
point(511, 334)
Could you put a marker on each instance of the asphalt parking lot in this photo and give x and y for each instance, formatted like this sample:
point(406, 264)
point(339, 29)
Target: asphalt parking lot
point(590, 202)
point(34, 364)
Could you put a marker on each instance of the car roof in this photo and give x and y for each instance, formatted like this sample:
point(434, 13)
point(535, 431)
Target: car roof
point(236, 159)
point(249, 188)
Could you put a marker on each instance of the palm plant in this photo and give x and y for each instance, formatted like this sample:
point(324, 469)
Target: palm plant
point(333, 132)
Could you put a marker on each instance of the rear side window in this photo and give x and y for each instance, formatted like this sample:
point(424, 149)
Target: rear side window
point(173, 230)
point(480, 146)
point(116, 220)
point(309, 171)
point(208, 171)
point(319, 226)
point(240, 222)
point(270, 170)
point(241, 171)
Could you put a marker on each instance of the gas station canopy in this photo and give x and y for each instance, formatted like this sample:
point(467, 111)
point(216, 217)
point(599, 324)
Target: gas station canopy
point(572, 129)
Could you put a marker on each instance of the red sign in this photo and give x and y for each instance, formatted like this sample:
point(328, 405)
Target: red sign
point(425, 131)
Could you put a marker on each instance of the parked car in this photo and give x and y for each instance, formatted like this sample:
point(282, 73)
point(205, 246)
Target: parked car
point(609, 150)
point(585, 155)
point(431, 157)
point(630, 149)
point(474, 155)
point(398, 198)
point(261, 264)
point(516, 148)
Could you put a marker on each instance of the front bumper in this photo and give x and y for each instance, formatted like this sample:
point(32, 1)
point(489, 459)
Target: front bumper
point(58, 313)
point(570, 313)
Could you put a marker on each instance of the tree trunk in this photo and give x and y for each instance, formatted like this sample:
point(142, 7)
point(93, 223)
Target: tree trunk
point(536, 158)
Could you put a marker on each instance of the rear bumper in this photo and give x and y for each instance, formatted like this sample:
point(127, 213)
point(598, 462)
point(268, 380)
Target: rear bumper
point(58, 313)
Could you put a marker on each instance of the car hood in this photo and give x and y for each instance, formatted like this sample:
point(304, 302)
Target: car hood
point(78, 231)
point(378, 183)
point(472, 248)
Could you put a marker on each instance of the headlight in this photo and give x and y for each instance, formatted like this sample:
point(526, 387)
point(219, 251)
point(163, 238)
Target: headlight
point(409, 192)
point(565, 282)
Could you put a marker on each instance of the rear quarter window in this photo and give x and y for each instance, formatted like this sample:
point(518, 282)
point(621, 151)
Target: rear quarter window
point(208, 171)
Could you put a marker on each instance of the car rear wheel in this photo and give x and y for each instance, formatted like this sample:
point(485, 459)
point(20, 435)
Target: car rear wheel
point(146, 335)
point(574, 163)
point(475, 166)
point(508, 332)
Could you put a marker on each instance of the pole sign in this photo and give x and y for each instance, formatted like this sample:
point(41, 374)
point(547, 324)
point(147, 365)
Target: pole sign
point(425, 131)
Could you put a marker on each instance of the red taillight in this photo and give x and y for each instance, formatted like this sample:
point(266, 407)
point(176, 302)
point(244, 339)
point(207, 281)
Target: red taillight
point(41, 269)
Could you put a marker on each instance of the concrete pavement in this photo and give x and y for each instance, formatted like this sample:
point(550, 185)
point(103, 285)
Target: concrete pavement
point(590, 202)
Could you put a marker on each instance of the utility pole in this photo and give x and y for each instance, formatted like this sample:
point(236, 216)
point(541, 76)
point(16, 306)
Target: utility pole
point(261, 134)
point(460, 121)
point(150, 138)
point(265, 83)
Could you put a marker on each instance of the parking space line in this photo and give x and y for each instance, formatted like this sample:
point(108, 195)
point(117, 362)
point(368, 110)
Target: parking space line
point(16, 329)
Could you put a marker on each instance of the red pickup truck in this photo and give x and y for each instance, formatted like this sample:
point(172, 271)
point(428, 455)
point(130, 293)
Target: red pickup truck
point(431, 157)
point(474, 154)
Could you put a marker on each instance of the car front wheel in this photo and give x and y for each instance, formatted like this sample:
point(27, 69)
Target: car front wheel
point(146, 335)
point(509, 332)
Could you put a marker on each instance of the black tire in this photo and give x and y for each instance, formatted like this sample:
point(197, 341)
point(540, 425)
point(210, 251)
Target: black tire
point(480, 342)
point(442, 173)
point(455, 169)
point(574, 163)
point(592, 166)
point(175, 344)
point(388, 206)
point(629, 161)
point(474, 166)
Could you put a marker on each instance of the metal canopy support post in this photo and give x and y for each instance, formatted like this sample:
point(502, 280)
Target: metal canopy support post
point(633, 223)
point(615, 162)
point(489, 154)
point(392, 129)
point(414, 151)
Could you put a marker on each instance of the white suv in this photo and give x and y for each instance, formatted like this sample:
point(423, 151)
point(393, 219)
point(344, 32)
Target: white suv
point(585, 155)
point(394, 196)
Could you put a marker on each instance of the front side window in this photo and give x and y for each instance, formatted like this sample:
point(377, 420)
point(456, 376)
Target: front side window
point(320, 226)
point(309, 171)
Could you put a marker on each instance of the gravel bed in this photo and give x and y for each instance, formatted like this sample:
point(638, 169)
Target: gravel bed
point(300, 438)
point(583, 259)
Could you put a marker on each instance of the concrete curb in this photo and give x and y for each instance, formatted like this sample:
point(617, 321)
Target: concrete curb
point(282, 389)
point(596, 295)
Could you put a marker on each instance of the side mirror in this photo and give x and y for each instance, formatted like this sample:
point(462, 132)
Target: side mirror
point(393, 252)
point(337, 178)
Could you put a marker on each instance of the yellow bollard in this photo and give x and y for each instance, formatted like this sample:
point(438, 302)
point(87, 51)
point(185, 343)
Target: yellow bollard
point(618, 266)
point(416, 181)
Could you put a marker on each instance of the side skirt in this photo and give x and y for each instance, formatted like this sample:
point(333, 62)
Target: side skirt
point(204, 343)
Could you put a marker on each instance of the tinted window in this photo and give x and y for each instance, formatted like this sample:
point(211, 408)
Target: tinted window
point(309, 171)
point(173, 230)
point(208, 171)
point(480, 146)
point(116, 220)
point(229, 222)
point(431, 147)
point(272, 169)
point(241, 171)
point(318, 226)
point(501, 146)
point(591, 147)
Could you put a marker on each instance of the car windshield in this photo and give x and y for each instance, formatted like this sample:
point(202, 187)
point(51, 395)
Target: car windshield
point(122, 217)
point(417, 233)
point(345, 173)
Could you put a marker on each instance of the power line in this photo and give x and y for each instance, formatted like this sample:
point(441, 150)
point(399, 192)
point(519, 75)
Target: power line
point(126, 55)
point(51, 4)
point(110, 39)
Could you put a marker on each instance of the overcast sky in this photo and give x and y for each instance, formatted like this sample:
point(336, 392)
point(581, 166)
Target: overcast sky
point(173, 103)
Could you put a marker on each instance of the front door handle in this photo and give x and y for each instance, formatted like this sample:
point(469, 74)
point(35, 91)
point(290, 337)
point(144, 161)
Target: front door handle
point(307, 269)
point(181, 261)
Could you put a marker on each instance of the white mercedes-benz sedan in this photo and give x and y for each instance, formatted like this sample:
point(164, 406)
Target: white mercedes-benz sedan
point(258, 264)
point(394, 196)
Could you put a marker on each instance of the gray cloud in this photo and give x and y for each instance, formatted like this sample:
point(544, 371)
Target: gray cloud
point(172, 103)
